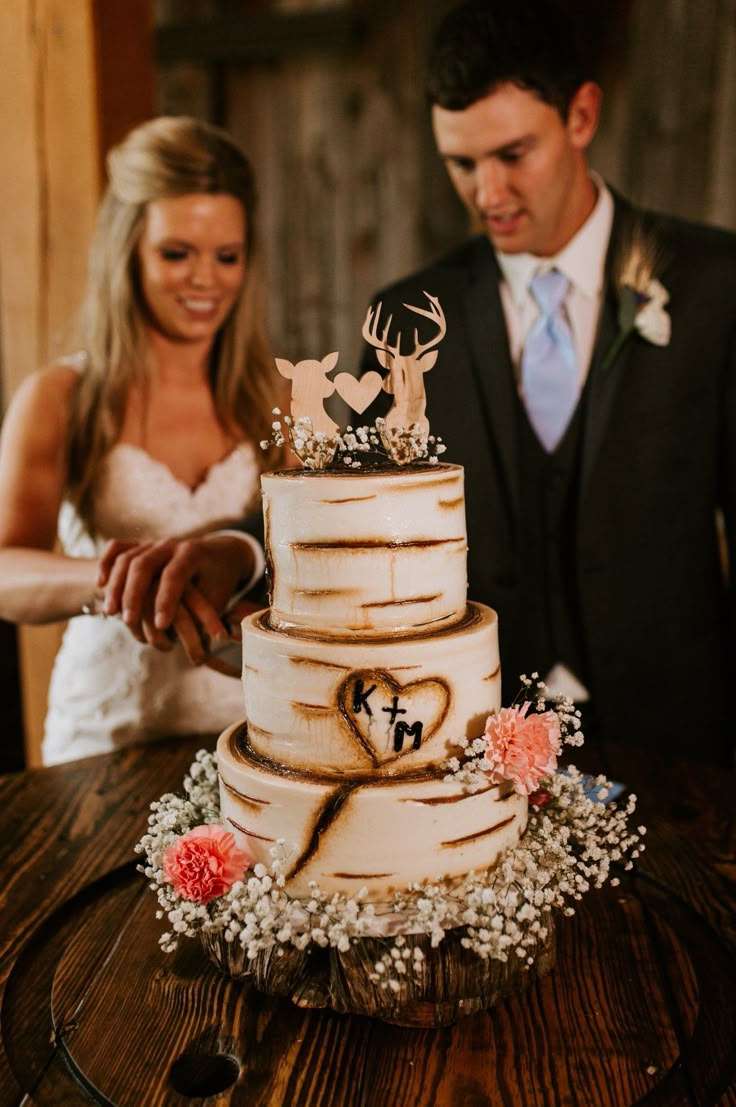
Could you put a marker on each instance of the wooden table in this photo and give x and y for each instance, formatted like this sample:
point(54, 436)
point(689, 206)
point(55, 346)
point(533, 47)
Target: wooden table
point(640, 1008)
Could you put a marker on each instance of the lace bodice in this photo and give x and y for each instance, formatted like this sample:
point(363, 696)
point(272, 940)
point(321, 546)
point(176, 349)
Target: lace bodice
point(107, 690)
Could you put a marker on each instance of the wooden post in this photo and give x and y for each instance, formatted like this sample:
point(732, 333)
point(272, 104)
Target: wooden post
point(52, 61)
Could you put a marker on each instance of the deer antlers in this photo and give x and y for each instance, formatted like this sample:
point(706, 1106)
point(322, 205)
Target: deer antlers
point(370, 331)
point(437, 315)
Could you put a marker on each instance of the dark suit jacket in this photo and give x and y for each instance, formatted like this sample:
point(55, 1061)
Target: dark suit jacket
point(658, 459)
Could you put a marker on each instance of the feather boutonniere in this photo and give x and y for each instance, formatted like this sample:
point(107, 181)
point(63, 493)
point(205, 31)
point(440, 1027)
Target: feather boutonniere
point(642, 298)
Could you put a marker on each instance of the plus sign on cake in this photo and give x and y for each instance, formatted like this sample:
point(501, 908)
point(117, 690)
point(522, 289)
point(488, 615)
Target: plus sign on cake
point(378, 834)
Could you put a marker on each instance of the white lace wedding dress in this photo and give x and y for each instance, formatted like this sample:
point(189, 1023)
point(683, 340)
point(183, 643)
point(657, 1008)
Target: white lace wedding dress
point(107, 690)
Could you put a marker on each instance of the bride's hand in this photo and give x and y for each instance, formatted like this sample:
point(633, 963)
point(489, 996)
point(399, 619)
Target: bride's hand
point(122, 572)
point(149, 582)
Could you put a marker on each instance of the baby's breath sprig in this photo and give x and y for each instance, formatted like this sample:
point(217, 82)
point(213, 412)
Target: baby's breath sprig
point(534, 689)
point(355, 447)
point(406, 444)
point(315, 449)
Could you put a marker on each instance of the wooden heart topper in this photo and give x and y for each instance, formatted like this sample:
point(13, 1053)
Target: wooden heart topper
point(390, 719)
point(358, 394)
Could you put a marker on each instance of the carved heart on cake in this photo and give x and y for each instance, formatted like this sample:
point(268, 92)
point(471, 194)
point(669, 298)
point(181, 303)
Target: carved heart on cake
point(390, 719)
point(358, 394)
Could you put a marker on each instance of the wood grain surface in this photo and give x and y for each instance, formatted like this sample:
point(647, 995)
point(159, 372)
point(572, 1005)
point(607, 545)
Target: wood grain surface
point(639, 1009)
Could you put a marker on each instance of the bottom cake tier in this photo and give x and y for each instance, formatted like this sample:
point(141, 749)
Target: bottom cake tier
point(349, 833)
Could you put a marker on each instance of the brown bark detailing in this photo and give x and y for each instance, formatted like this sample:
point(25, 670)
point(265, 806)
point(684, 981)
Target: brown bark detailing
point(241, 796)
point(375, 544)
point(325, 819)
point(250, 833)
point(453, 843)
point(402, 603)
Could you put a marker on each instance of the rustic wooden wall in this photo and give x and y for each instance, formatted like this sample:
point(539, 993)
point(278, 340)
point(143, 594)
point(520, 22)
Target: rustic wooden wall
point(668, 138)
point(48, 200)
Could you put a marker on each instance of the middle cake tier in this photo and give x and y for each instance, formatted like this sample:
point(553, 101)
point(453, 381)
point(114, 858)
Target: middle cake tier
point(378, 707)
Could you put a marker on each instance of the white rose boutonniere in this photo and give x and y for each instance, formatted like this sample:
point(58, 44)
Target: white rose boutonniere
point(651, 320)
point(642, 299)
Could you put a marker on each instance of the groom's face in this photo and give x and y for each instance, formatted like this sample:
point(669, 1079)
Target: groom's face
point(519, 167)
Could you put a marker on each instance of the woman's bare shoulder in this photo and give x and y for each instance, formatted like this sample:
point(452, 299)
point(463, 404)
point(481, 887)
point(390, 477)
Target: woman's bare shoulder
point(61, 377)
point(38, 414)
point(51, 385)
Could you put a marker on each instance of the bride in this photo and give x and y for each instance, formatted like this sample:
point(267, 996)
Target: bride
point(149, 434)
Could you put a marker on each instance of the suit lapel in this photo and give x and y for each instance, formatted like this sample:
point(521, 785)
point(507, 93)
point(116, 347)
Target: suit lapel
point(604, 377)
point(491, 366)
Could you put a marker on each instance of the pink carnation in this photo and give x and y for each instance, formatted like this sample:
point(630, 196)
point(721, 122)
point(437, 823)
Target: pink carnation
point(522, 748)
point(204, 863)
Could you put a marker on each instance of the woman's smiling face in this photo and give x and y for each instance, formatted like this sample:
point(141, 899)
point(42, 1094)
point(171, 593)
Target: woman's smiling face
point(191, 263)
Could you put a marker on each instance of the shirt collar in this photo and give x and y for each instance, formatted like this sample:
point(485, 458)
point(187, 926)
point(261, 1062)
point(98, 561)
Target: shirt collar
point(582, 259)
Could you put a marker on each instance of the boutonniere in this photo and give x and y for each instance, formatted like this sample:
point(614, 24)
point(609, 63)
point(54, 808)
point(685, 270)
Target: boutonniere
point(642, 298)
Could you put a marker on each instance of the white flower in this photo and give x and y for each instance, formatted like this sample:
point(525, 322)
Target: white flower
point(642, 298)
point(652, 321)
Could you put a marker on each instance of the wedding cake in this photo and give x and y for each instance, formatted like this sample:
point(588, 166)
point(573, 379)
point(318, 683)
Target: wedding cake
point(358, 681)
point(378, 834)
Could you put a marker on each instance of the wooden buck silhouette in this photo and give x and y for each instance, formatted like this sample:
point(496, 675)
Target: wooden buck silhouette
point(405, 380)
point(310, 387)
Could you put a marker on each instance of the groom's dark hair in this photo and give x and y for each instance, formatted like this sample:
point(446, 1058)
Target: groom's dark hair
point(482, 44)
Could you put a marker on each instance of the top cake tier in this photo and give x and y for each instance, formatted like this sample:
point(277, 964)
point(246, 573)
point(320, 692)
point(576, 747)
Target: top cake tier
point(369, 553)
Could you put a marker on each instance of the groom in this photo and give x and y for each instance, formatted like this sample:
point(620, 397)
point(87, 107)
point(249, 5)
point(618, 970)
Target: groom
point(587, 384)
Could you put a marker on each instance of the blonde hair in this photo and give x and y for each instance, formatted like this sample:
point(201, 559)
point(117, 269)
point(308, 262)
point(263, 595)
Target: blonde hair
point(168, 156)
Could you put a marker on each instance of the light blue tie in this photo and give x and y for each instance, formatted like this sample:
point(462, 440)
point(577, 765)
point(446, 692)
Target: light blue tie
point(549, 374)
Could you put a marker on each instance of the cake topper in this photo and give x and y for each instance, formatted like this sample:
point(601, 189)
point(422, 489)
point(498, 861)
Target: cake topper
point(310, 387)
point(406, 419)
point(405, 380)
point(312, 432)
point(402, 436)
